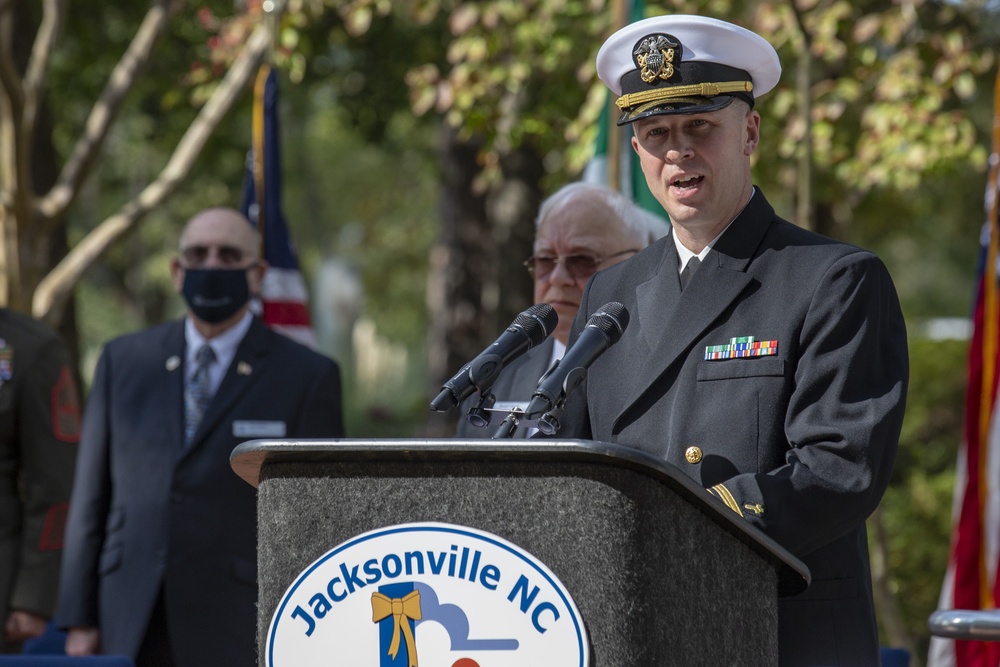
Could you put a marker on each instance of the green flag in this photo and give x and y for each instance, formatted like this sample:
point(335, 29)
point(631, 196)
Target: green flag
point(630, 181)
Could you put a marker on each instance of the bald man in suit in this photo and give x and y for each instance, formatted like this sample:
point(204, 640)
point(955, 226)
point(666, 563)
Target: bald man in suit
point(161, 546)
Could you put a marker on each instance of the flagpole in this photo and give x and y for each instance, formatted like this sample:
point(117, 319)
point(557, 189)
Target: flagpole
point(620, 17)
point(273, 9)
point(257, 133)
point(272, 14)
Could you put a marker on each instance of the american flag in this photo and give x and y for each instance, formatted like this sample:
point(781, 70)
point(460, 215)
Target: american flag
point(971, 579)
point(284, 300)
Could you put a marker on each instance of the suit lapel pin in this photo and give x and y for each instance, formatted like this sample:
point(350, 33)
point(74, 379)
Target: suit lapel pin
point(742, 347)
point(243, 368)
point(173, 363)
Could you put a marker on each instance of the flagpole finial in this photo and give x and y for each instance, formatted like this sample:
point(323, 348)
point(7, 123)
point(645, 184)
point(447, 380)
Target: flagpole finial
point(273, 10)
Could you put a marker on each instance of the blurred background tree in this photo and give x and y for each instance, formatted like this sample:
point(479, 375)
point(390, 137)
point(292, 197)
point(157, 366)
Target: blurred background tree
point(419, 138)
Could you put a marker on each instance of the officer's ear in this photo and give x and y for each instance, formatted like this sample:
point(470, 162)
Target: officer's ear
point(752, 132)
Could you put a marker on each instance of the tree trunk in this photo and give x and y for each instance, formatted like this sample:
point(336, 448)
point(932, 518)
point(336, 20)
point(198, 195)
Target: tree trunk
point(458, 265)
point(46, 252)
point(38, 244)
point(477, 284)
point(886, 602)
point(41, 244)
point(512, 208)
point(824, 221)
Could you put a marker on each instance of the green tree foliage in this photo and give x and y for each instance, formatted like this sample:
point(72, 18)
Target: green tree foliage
point(888, 82)
point(878, 115)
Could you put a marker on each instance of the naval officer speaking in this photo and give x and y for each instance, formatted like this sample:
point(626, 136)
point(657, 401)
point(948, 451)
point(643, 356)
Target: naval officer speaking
point(776, 376)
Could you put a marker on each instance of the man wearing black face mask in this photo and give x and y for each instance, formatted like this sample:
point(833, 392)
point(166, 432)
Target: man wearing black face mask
point(160, 556)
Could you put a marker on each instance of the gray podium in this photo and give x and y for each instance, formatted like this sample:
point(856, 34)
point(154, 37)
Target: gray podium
point(661, 572)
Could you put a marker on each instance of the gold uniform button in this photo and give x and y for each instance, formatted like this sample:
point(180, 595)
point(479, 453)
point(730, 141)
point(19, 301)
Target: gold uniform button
point(693, 454)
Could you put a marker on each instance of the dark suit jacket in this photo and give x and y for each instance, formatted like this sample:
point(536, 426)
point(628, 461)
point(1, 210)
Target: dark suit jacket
point(515, 384)
point(801, 442)
point(149, 514)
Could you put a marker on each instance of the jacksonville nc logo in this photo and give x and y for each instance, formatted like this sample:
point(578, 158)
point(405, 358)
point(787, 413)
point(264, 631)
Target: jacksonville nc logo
point(430, 594)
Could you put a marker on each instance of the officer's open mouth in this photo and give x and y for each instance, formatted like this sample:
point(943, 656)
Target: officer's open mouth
point(687, 182)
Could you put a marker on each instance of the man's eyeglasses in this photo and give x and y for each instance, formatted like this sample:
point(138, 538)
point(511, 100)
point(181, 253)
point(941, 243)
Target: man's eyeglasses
point(196, 256)
point(578, 266)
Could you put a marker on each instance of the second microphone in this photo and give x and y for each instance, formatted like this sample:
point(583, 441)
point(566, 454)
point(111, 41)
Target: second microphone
point(604, 328)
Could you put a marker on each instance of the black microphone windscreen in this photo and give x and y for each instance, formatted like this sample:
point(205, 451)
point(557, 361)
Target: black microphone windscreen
point(527, 330)
point(537, 322)
point(611, 319)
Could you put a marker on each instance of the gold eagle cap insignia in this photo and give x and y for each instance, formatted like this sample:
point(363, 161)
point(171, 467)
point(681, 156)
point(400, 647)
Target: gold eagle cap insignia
point(655, 56)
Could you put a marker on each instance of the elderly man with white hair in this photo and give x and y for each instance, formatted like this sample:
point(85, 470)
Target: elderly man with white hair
point(580, 229)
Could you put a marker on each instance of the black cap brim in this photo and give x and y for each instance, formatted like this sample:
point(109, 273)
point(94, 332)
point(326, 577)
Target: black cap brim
point(688, 105)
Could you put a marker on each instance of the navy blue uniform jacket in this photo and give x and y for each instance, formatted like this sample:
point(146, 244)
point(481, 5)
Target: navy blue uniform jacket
point(800, 442)
point(149, 513)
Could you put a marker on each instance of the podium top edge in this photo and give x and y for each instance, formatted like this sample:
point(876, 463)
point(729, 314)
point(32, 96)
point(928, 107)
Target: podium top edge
point(248, 458)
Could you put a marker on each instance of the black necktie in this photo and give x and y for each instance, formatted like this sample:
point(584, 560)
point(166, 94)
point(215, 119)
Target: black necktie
point(691, 267)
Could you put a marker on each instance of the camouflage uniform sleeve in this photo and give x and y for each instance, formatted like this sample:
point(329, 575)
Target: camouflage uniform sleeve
point(48, 415)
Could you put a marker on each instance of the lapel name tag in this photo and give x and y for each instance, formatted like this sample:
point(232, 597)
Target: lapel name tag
point(247, 428)
point(740, 348)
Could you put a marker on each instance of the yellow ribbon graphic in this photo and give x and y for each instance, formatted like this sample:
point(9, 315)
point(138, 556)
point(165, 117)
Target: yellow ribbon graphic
point(402, 611)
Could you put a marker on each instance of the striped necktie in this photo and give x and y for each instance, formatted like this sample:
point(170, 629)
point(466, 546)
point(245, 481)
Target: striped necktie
point(197, 392)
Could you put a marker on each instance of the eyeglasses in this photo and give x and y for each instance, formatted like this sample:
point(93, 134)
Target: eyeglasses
point(196, 256)
point(578, 266)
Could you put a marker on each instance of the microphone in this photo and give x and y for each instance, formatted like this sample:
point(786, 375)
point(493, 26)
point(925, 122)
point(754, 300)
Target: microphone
point(526, 331)
point(604, 328)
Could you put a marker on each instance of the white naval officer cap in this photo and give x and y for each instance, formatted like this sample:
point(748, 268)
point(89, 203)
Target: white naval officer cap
point(682, 64)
